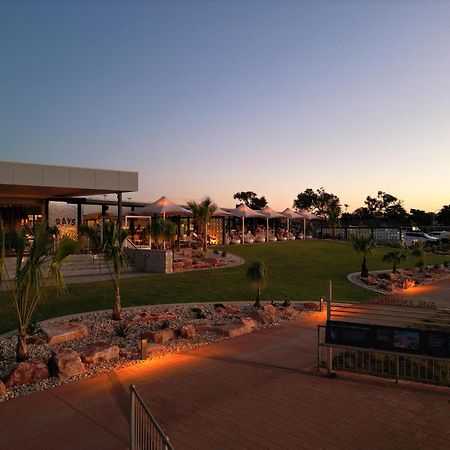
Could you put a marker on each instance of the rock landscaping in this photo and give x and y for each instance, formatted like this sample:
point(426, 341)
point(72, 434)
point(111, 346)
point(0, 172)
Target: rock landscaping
point(388, 282)
point(92, 343)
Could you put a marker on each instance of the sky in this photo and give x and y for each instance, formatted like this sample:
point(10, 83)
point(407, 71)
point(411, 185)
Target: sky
point(215, 97)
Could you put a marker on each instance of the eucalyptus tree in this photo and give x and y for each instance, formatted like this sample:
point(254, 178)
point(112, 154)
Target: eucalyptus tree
point(27, 285)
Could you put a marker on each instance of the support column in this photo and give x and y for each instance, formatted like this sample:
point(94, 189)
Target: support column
point(119, 210)
point(46, 202)
point(79, 218)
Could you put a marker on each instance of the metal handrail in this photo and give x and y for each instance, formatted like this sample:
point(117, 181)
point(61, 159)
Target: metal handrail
point(401, 361)
point(145, 432)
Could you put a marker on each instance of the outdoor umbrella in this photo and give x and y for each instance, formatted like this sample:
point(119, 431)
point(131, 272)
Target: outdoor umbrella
point(245, 212)
point(269, 213)
point(306, 215)
point(289, 214)
point(165, 207)
point(219, 212)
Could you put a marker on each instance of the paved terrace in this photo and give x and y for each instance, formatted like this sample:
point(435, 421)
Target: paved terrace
point(252, 392)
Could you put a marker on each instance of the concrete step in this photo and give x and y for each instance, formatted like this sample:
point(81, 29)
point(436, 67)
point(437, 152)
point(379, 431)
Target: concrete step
point(77, 265)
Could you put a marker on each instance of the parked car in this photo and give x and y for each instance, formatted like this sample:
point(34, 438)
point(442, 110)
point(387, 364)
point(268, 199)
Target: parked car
point(440, 235)
point(412, 237)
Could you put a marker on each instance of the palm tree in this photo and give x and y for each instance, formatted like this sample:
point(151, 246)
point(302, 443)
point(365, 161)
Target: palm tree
point(27, 287)
point(110, 248)
point(114, 238)
point(395, 256)
point(363, 244)
point(333, 213)
point(257, 273)
point(202, 213)
point(162, 230)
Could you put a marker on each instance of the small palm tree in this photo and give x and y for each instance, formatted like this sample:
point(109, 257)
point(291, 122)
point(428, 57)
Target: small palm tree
point(110, 248)
point(395, 256)
point(363, 244)
point(333, 213)
point(257, 273)
point(27, 287)
point(202, 213)
point(162, 230)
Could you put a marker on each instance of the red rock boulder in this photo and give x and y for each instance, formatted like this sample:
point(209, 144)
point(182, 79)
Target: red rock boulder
point(3, 390)
point(159, 336)
point(57, 333)
point(27, 372)
point(267, 314)
point(99, 352)
point(187, 331)
point(249, 323)
point(66, 363)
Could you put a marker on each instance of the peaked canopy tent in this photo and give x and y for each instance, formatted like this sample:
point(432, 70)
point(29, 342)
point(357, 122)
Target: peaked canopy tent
point(290, 215)
point(244, 212)
point(165, 207)
point(269, 213)
point(306, 215)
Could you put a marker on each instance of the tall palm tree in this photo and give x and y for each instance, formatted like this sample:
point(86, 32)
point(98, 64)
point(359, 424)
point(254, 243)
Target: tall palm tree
point(110, 248)
point(333, 213)
point(202, 213)
point(363, 244)
point(27, 287)
point(395, 256)
point(257, 273)
point(114, 238)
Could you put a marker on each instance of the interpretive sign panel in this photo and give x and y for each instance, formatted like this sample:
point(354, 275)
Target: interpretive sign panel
point(397, 339)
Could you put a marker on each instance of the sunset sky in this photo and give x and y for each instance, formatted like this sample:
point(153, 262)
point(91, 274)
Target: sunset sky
point(215, 97)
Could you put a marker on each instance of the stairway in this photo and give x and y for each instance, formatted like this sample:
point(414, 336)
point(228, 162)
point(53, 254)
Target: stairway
point(76, 266)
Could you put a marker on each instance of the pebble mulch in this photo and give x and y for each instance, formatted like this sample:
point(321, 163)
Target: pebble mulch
point(102, 328)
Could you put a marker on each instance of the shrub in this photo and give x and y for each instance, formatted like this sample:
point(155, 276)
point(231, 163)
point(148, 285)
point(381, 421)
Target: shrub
point(33, 327)
point(200, 315)
point(445, 263)
point(164, 324)
point(122, 329)
point(195, 309)
point(219, 305)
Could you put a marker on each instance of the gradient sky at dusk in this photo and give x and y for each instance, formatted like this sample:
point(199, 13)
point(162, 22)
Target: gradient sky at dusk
point(216, 97)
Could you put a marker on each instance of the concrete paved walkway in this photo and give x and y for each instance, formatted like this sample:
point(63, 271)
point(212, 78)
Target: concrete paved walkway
point(252, 392)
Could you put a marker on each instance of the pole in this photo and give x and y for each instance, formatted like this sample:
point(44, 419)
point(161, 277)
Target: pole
point(243, 224)
point(267, 230)
point(304, 228)
point(119, 210)
point(329, 349)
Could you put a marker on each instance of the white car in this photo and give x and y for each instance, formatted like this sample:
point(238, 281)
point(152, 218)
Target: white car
point(412, 237)
point(440, 234)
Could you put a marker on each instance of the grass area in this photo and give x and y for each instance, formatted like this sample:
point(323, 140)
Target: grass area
point(298, 270)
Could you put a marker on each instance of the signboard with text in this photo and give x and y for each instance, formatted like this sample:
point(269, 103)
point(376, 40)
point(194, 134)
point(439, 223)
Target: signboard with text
point(396, 339)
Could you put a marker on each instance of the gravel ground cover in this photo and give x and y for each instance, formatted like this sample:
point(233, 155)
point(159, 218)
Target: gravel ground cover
point(102, 328)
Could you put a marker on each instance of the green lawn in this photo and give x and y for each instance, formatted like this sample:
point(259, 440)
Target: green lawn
point(298, 270)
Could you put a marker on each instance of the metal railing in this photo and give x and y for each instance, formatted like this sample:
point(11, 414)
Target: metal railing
point(145, 433)
point(382, 363)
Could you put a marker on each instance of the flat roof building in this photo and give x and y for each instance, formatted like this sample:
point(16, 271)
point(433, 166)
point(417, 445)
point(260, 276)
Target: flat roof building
point(32, 187)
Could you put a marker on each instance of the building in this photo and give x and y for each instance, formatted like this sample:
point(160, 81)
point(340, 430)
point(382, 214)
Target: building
point(30, 192)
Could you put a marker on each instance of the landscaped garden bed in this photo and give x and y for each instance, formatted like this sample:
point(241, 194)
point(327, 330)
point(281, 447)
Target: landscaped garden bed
point(389, 282)
point(68, 349)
